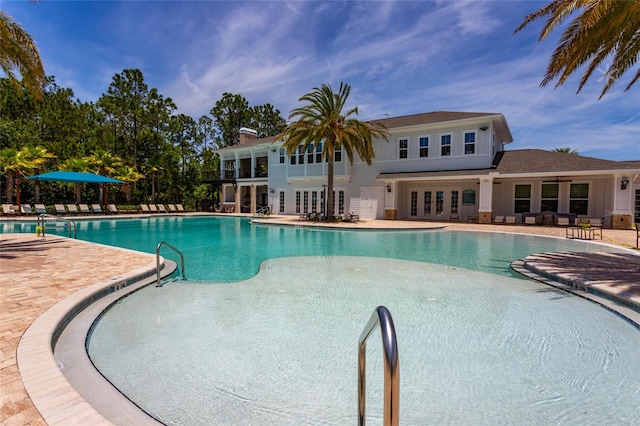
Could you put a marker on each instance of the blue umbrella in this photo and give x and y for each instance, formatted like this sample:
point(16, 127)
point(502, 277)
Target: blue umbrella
point(74, 177)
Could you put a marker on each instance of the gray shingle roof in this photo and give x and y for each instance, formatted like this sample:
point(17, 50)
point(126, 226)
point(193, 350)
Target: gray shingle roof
point(431, 117)
point(530, 161)
point(539, 160)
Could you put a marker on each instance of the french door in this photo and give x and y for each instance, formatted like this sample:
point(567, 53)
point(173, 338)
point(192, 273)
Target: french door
point(436, 204)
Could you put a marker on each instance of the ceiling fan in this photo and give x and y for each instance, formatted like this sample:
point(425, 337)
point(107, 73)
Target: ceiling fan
point(557, 180)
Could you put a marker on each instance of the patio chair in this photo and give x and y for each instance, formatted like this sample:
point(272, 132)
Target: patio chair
point(112, 208)
point(96, 208)
point(162, 208)
point(181, 209)
point(153, 208)
point(84, 209)
point(73, 209)
point(172, 208)
point(509, 220)
point(145, 208)
point(454, 217)
point(26, 209)
point(529, 220)
point(40, 209)
point(562, 221)
point(9, 210)
point(60, 209)
point(498, 220)
point(596, 223)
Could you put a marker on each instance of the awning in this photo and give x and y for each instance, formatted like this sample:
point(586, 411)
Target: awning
point(81, 177)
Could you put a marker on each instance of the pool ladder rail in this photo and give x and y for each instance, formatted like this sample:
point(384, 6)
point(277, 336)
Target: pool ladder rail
point(158, 247)
point(46, 219)
point(382, 317)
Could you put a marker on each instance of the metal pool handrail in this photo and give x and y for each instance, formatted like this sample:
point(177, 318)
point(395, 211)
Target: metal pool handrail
point(382, 317)
point(41, 223)
point(160, 244)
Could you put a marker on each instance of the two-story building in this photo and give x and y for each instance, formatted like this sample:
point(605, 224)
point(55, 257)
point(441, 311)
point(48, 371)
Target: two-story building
point(438, 165)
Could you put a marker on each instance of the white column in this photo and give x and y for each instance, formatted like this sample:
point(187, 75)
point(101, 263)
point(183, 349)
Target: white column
point(485, 199)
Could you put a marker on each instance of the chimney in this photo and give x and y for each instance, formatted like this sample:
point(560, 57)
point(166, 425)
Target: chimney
point(247, 135)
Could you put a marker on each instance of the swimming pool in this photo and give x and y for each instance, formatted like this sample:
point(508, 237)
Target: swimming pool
point(231, 249)
point(280, 347)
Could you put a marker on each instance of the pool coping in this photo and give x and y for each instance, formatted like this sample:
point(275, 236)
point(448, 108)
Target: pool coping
point(625, 309)
point(57, 401)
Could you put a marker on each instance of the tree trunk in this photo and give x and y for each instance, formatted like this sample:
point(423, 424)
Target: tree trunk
point(78, 192)
point(329, 195)
point(9, 188)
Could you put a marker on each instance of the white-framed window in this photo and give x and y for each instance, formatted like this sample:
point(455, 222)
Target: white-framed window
point(413, 206)
point(424, 146)
point(310, 155)
point(338, 155)
point(522, 199)
point(281, 207)
point(301, 156)
point(445, 145)
point(341, 202)
point(549, 197)
point(305, 202)
point(579, 198)
point(314, 201)
point(403, 148)
point(454, 202)
point(297, 201)
point(470, 143)
point(319, 153)
point(283, 155)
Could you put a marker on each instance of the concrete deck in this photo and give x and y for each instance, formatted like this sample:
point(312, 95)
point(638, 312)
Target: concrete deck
point(44, 277)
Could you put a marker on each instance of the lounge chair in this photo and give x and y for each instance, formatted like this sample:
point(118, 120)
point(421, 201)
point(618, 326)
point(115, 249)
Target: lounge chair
point(96, 208)
point(182, 210)
point(498, 220)
point(73, 209)
point(9, 210)
point(84, 209)
point(162, 208)
point(60, 209)
point(172, 208)
point(40, 209)
point(510, 220)
point(112, 208)
point(153, 208)
point(144, 208)
point(529, 220)
point(26, 209)
point(454, 217)
point(562, 221)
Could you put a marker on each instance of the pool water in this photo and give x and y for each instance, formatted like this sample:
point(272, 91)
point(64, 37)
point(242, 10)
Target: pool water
point(281, 348)
point(230, 249)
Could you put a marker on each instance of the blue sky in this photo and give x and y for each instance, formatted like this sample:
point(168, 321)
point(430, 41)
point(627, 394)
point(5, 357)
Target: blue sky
point(400, 57)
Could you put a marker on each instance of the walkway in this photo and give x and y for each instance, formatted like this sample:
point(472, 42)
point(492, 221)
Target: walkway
point(37, 273)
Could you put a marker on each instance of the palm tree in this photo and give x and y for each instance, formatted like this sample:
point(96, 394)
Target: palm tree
point(14, 163)
point(39, 156)
point(128, 174)
point(105, 164)
point(567, 150)
point(18, 52)
point(323, 123)
point(602, 29)
point(76, 165)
